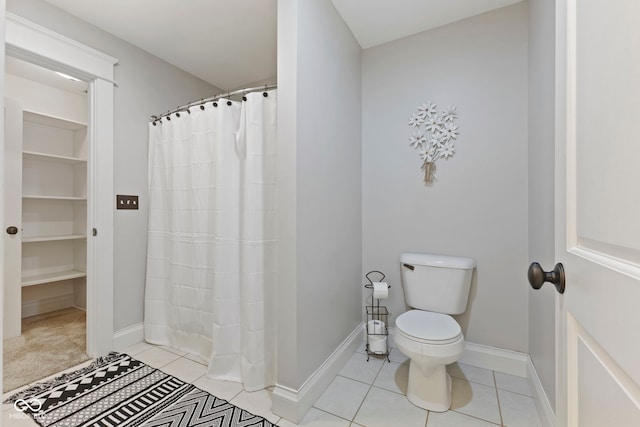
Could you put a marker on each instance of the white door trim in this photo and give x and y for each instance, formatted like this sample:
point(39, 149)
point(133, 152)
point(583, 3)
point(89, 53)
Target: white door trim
point(38, 45)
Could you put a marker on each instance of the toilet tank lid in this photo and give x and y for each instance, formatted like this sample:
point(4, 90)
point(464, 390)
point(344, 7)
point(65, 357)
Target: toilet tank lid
point(433, 260)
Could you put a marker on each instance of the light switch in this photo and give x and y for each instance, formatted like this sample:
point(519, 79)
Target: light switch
point(126, 202)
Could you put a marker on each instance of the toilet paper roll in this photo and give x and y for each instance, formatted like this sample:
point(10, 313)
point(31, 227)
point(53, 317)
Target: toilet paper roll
point(380, 290)
point(377, 343)
point(376, 327)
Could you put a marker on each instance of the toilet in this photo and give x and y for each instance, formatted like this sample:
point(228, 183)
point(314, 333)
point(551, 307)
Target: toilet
point(435, 287)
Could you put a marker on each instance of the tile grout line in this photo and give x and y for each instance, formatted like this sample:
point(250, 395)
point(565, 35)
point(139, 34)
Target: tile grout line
point(367, 393)
point(495, 383)
point(332, 414)
point(205, 376)
point(476, 417)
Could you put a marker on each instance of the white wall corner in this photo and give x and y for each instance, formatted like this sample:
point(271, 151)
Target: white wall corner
point(545, 410)
point(128, 336)
point(495, 359)
point(294, 404)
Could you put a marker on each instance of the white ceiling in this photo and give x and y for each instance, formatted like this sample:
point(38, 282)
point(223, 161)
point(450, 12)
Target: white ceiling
point(228, 43)
point(374, 22)
point(232, 43)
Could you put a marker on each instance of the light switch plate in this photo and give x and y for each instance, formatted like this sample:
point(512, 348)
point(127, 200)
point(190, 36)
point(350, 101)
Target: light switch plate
point(126, 202)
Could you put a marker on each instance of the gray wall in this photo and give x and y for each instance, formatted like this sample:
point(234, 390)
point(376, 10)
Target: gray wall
point(146, 86)
point(541, 186)
point(319, 125)
point(478, 207)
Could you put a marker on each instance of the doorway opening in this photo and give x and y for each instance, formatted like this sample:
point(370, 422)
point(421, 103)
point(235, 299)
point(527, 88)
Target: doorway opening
point(89, 199)
point(46, 147)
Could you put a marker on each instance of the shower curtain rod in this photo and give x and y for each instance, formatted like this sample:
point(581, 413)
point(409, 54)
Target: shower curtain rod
point(186, 107)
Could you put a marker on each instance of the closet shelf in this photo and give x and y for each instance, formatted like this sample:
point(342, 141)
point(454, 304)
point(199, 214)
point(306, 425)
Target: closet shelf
point(33, 155)
point(53, 238)
point(43, 197)
point(49, 120)
point(52, 277)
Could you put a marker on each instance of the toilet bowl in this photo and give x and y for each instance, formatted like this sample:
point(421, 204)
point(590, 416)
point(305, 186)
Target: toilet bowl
point(431, 341)
point(435, 287)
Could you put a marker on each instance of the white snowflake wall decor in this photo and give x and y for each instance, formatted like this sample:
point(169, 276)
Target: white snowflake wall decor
point(433, 136)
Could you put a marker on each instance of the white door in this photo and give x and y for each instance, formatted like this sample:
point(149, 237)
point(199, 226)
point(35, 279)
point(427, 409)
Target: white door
point(12, 227)
point(597, 207)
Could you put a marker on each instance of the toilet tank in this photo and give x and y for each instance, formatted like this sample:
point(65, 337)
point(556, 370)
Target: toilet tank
point(436, 283)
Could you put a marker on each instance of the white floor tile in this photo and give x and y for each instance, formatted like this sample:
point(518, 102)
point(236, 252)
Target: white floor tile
point(393, 377)
point(317, 418)
point(518, 410)
point(343, 397)
point(513, 383)
point(185, 369)
point(173, 350)
point(256, 402)
point(471, 373)
point(226, 390)
point(382, 408)
point(455, 419)
point(349, 397)
point(197, 358)
point(475, 399)
point(357, 368)
point(156, 357)
point(137, 348)
point(397, 356)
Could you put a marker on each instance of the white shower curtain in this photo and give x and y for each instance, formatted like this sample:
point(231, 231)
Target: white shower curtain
point(211, 254)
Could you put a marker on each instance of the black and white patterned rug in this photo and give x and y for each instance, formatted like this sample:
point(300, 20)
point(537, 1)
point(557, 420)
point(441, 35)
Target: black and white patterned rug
point(118, 390)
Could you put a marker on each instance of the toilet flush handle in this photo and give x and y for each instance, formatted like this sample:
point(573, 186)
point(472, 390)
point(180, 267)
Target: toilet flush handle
point(537, 276)
point(409, 266)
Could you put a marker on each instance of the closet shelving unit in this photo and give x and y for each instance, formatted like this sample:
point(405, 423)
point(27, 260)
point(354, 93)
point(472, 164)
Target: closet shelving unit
point(54, 199)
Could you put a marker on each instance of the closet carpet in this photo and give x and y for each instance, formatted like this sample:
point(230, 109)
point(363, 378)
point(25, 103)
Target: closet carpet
point(49, 343)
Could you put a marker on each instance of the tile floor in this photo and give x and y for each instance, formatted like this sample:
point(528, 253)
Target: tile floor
point(367, 394)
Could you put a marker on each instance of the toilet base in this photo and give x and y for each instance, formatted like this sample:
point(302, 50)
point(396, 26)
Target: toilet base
point(433, 392)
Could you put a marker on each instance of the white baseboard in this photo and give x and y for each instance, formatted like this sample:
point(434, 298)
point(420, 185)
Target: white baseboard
point(495, 359)
point(45, 305)
point(128, 336)
point(514, 363)
point(293, 404)
point(545, 410)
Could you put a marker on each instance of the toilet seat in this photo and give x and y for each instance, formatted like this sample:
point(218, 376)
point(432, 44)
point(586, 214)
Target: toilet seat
point(428, 327)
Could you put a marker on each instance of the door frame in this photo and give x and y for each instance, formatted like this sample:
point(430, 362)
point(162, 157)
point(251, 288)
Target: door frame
point(33, 43)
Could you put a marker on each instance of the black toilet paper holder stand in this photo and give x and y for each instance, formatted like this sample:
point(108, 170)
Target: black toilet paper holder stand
point(376, 312)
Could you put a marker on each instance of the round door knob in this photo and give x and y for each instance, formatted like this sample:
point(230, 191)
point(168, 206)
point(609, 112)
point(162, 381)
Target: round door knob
point(12, 230)
point(537, 276)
